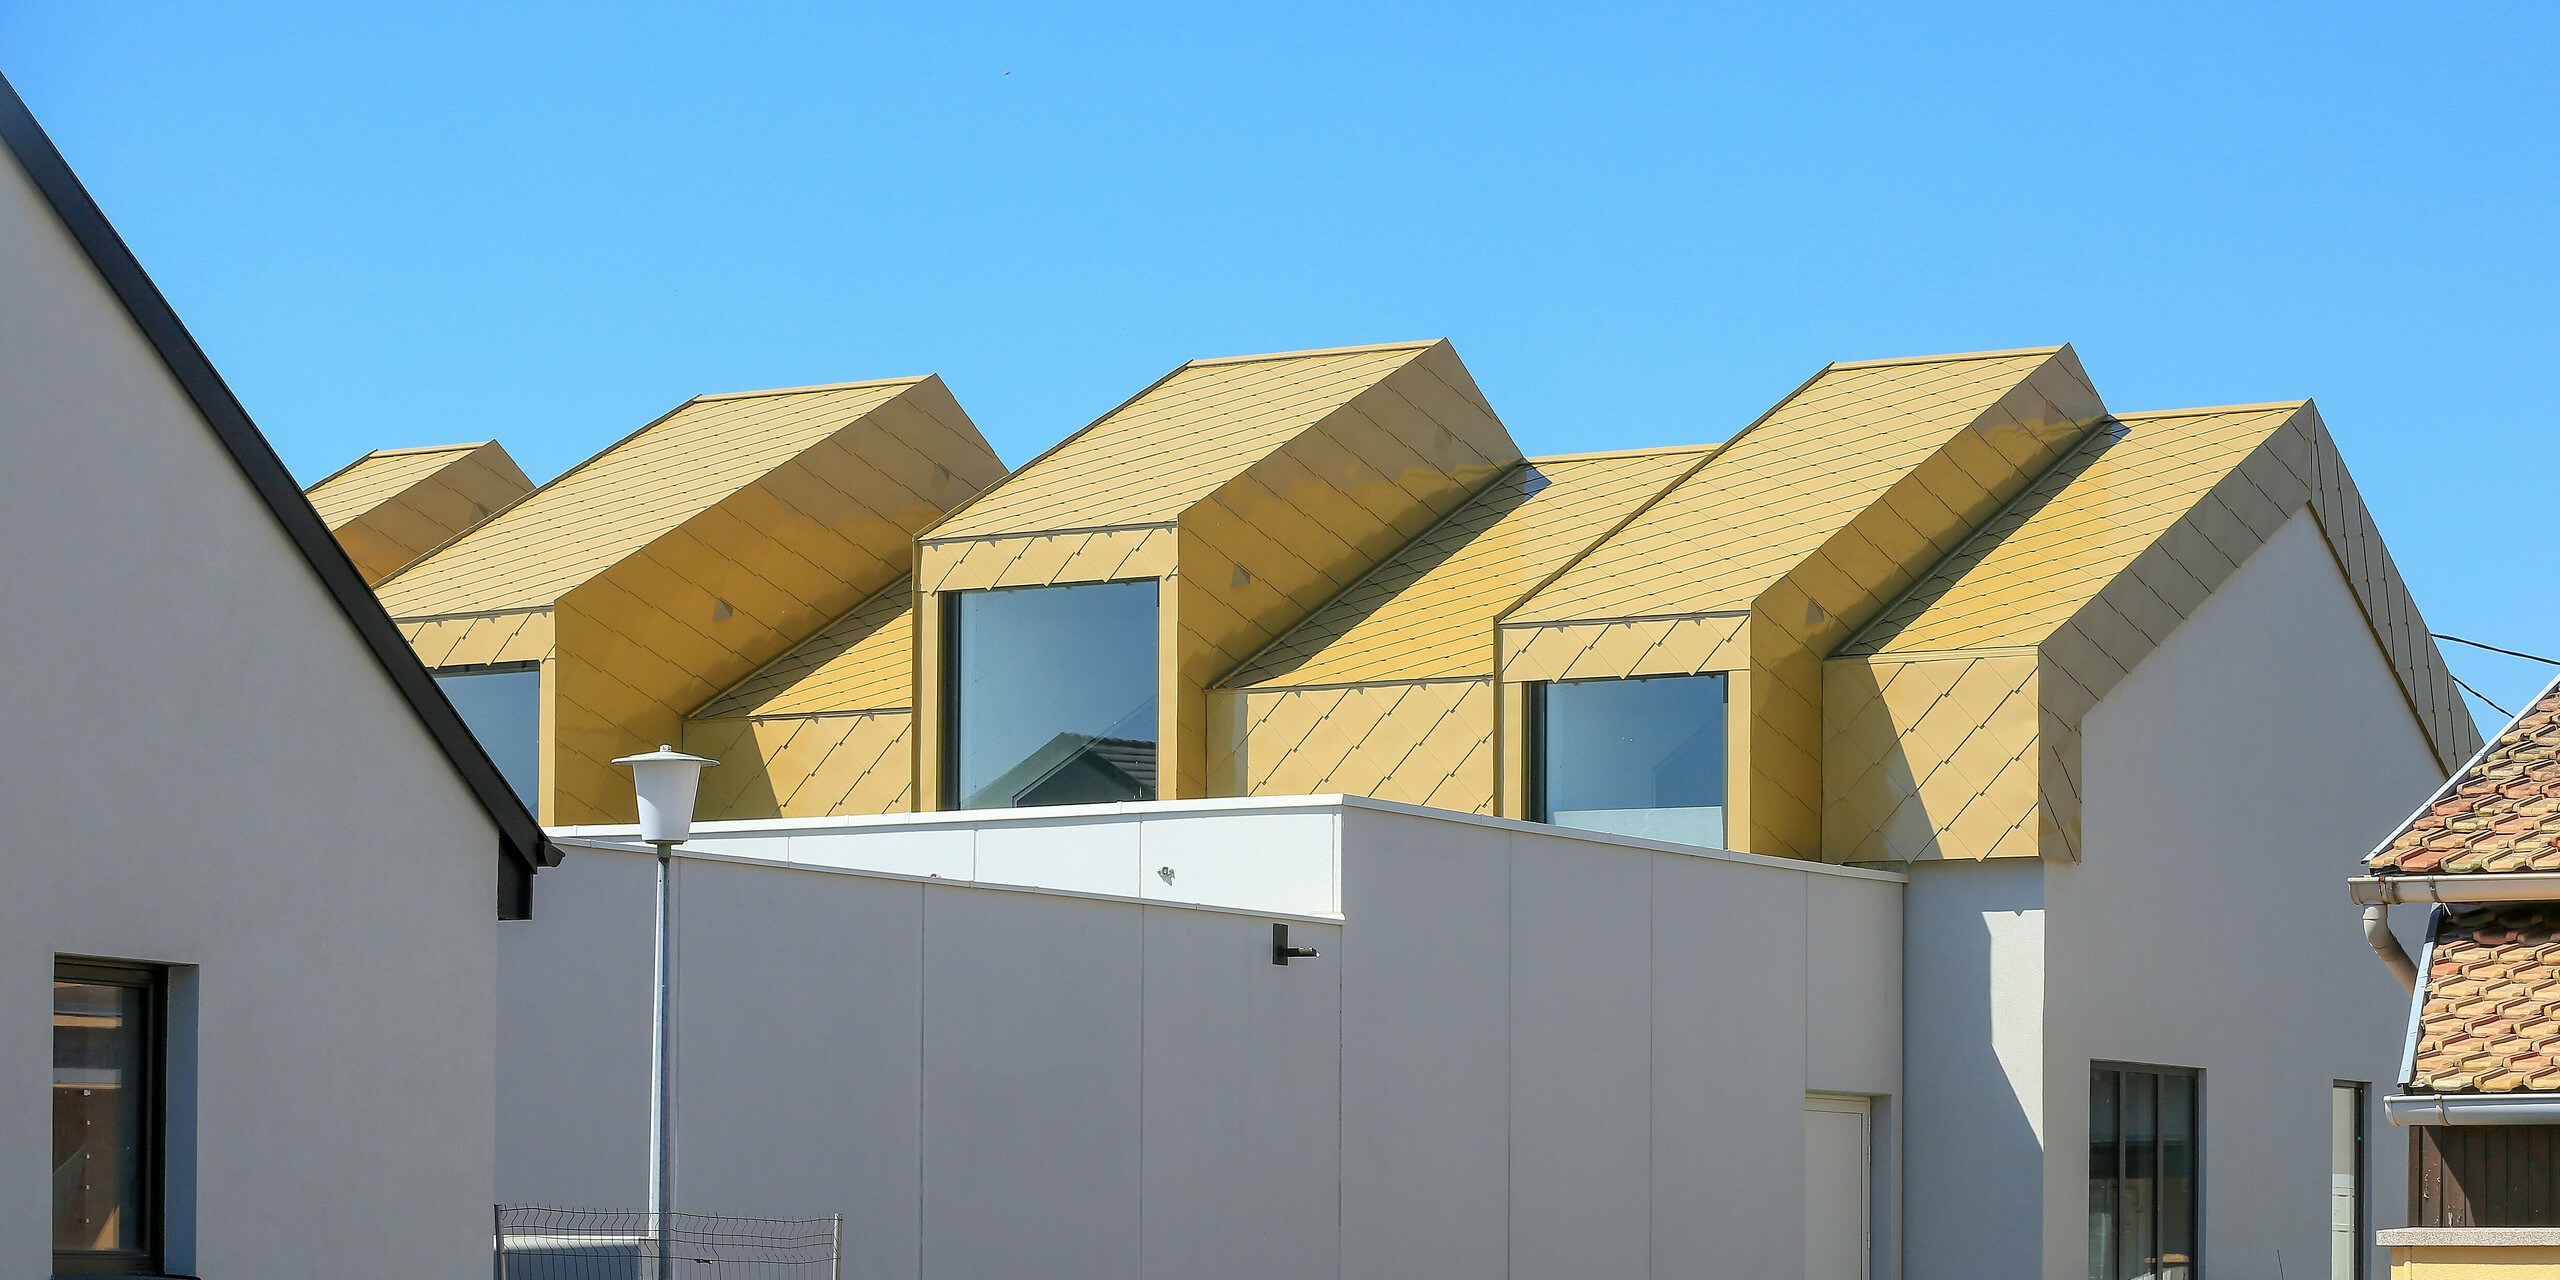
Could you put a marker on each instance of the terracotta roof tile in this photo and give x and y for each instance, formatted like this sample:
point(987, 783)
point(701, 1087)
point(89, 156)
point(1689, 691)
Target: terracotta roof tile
point(2500, 814)
point(2486, 1023)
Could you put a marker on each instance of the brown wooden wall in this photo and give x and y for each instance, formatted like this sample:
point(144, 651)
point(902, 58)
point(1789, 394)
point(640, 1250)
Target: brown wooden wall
point(2484, 1176)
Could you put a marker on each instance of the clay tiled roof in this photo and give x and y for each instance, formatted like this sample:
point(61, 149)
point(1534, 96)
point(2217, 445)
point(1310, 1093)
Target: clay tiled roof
point(2488, 1022)
point(2500, 814)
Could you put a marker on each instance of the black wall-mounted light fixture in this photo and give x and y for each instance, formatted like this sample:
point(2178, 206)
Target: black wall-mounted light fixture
point(1282, 952)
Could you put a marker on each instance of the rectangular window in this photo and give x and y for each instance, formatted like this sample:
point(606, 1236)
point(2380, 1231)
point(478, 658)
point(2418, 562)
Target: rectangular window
point(109, 1032)
point(1642, 756)
point(2144, 1145)
point(502, 704)
point(1053, 695)
point(2346, 1181)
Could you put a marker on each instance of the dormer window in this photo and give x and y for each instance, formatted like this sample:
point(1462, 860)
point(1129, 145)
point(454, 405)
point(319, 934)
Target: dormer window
point(1053, 695)
point(1642, 756)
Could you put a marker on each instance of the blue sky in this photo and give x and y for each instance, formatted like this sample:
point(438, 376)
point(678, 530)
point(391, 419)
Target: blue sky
point(400, 224)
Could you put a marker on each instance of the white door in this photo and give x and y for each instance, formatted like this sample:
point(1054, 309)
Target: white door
point(1835, 1187)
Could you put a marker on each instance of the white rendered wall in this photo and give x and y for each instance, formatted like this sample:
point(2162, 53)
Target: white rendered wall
point(1522, 1053)
point(204, 766)
point(2231, 782)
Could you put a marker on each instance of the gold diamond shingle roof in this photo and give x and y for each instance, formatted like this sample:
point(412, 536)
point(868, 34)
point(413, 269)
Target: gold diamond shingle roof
point(2487, 1022)
point(365, 482)
point(1151, 459)
point(2500, 814)
point(613, 504)
point(860, 662)
point(1428, 612)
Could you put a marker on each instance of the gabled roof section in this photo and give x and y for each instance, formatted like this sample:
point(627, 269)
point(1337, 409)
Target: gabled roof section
point(863, 661)
point(1179, 441)
point(2485, 1019)
point(392, 506)
point(2499, 813)
point(1428, 611)
point(2079, 527)
point(705, 452)
point(522, 843)
point(1809, 467)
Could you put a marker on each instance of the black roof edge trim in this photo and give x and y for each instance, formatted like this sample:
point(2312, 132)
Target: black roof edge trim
point(521, 839)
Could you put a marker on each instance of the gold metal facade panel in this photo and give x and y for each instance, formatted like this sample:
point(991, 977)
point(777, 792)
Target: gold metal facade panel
point(1939, 759)
point(634, 492)
point(1641, 647)
point(1420, 742)
point(478, 640)
point(1048, 559)
point(1427, 612)
point(360, 486)
point(1149, 460)
point(388, 509)
point(804, 766)
point(859, 662)
point(1825, 455)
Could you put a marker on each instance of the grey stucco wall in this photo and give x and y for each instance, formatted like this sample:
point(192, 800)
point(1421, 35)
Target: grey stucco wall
point(203, 766)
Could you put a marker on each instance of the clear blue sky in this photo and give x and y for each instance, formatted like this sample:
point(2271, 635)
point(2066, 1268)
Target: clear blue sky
point(396, 224)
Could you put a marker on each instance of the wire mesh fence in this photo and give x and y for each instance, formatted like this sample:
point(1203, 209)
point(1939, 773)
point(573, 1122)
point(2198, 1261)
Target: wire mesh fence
point(537, 1242)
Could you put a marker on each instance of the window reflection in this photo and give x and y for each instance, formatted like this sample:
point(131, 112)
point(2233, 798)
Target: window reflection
point(1054, 695)
point(101, 1096)
point(1641, 757)
point(503, 709)
point(2142, 1174)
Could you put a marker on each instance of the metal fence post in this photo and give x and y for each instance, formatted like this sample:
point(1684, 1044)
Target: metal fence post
point(835, 1269)
point(498, 1238)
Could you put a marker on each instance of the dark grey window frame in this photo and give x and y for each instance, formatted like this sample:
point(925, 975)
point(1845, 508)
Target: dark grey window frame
point(2363, 1171)
point(2196, 1140)
point(150, 1259)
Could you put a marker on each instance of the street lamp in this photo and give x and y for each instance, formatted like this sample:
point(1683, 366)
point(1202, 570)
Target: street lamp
point(666, 780)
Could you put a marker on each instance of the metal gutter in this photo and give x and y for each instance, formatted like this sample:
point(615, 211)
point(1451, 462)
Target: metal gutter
point(2472, 1108)
point(2519, 886)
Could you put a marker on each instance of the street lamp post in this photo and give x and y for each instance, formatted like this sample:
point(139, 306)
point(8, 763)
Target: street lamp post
point(666, 780)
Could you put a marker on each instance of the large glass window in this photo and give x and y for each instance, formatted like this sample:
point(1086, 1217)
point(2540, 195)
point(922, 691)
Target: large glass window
point(2346, 1180)
point(1638, 757)
point(1053, 695)
point(2143, 1157)
point(107, 1032)
point(503, 706)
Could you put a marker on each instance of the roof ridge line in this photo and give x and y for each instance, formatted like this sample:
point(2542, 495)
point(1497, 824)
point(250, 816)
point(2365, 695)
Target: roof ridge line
point(1424, 345)
point(1947, 358)
point(2205, 411)
point(821, 386)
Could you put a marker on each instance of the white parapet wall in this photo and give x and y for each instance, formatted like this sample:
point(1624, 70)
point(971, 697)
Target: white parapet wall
point(1053, 1042)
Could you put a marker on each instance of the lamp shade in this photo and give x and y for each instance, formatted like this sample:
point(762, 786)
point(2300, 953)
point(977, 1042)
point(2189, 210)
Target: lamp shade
point(666, 780)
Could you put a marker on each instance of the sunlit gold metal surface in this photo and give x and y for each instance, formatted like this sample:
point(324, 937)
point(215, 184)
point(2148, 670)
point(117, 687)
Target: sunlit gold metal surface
point(1802, 527)
point(1255, 489)
point(392, 506)
point(1952, 723)
point(695, 551)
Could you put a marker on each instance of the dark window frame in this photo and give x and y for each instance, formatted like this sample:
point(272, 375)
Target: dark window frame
point(153, 980)
point(1534, 739)
point(2363, 1171)
point(950, 795)
point(2195, 1140)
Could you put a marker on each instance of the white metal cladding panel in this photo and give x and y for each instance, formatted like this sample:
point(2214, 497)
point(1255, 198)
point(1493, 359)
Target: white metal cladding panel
point(1425, 998)
point(1242, 1103)
point(1724, 938)
point(1031, 1111)
point(573, 1036)
point(1581, 1069)
point(799, 1004)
